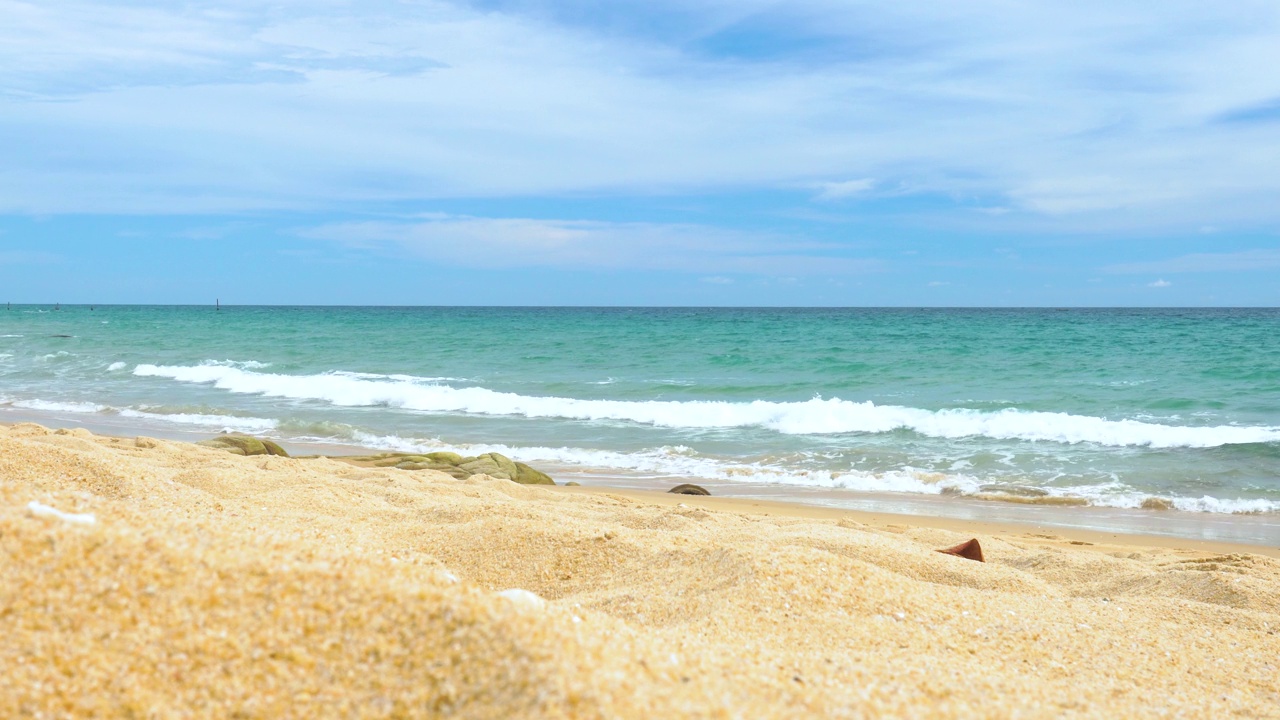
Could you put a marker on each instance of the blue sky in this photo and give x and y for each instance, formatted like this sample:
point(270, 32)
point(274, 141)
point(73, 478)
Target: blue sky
point(657, 153)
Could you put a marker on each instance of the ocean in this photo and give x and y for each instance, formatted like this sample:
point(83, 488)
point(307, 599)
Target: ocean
point(1115, 408)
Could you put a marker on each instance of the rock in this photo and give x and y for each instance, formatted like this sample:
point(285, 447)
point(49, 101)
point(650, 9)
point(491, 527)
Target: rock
point(491, 464)
point(970, 550)
point(244, 445)
point(447, 469)
point(526, 475)
point(572, 484)
point(1157, 503)
point(689, 489)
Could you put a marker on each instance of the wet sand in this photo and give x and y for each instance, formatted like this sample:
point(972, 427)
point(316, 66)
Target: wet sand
point(210, 585)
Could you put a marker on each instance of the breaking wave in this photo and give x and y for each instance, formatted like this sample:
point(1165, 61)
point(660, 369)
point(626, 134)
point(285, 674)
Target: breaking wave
point(817, 416)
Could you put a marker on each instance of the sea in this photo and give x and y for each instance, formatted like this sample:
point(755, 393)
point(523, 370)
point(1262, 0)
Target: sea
point(1141, 417)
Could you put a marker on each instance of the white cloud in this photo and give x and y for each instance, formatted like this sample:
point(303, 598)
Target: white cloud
point(1202, 262)
point(717, 280)
point(829, 191)
point(575, 244)
point(1092, 109)
point(1162, 283)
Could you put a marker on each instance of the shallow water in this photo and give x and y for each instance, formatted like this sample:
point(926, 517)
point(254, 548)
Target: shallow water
point(1106, 407)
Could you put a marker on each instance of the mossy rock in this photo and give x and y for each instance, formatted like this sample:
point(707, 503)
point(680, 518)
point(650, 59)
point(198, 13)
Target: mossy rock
point(689, 489)
point(445, 468)
point(526, 475)
point(244, 445)
point(494, 465)
point(491, 464)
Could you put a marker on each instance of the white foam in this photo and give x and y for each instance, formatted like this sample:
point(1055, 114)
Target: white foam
point(44, 511)
point(1234, 506)
point(116, 366)
point(225, 422)
point(680, 461)
point(83, 408)
point(241, 364)
point(810, 417)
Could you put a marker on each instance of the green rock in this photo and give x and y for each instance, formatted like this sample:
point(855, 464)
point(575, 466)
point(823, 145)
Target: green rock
point(491, 464)
point(526, 475)
point(449, 458)
point(572, 484)
point(244, 445)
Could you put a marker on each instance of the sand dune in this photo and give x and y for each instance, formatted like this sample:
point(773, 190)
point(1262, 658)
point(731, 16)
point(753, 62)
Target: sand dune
point(214, 585)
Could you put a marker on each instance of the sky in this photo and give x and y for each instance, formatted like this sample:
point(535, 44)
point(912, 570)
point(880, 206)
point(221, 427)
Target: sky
point(710, 152)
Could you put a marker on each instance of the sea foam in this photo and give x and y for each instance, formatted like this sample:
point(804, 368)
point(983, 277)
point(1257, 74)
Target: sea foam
point(817, 416)
point(223, 422)
point(683, 462)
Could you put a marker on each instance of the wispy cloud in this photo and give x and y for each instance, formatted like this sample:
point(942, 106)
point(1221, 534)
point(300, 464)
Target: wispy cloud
point(571, 244)
point(844, 189)
point(1094, 109)
point(1265, 259)
point(1161, 283)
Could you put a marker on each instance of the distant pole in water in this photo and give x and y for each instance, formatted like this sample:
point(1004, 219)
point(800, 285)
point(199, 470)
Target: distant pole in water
point(217, 304)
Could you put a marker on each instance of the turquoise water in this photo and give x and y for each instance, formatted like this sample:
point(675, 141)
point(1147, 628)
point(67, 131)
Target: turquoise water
point(1109, 407)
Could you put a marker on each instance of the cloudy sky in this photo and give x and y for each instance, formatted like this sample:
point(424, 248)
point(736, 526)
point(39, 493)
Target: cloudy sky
point(813, 152)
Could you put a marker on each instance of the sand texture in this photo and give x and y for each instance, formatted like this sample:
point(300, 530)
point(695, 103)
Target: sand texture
point(213, 585)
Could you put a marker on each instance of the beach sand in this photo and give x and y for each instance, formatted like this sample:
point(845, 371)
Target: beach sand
point(212, 585)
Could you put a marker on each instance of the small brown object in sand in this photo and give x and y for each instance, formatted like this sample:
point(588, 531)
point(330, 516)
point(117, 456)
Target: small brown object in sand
point(969, 550)
point(689, 489)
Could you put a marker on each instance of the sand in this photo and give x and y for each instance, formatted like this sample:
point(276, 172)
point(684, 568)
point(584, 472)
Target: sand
point(211, 585)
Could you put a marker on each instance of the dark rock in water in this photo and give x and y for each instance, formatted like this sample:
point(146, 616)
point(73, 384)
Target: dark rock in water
point(244, 445)
point(689, 489)
point(969, 550)
point(62, 336)
point(1014, 490)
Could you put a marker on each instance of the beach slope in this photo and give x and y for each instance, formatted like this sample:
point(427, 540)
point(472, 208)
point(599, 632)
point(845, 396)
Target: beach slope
point(151, 578)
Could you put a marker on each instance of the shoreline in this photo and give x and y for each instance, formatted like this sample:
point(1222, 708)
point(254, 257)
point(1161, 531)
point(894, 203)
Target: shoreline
point(1172, 529)
point(1047, 535)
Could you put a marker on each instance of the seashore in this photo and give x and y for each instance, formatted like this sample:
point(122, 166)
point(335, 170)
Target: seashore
point(149, 577)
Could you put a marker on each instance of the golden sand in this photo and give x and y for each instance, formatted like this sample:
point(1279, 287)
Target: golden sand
point(212, 585)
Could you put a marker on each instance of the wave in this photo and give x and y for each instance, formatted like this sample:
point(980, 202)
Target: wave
point(684, 463)
point(811, 417)
point(220, 422)
point(52, 406)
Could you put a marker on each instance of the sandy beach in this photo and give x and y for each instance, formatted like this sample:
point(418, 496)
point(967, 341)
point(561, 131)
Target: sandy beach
point(153, 578)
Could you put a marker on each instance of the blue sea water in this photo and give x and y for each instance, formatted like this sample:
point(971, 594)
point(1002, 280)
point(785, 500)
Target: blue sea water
point(1107, 407)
